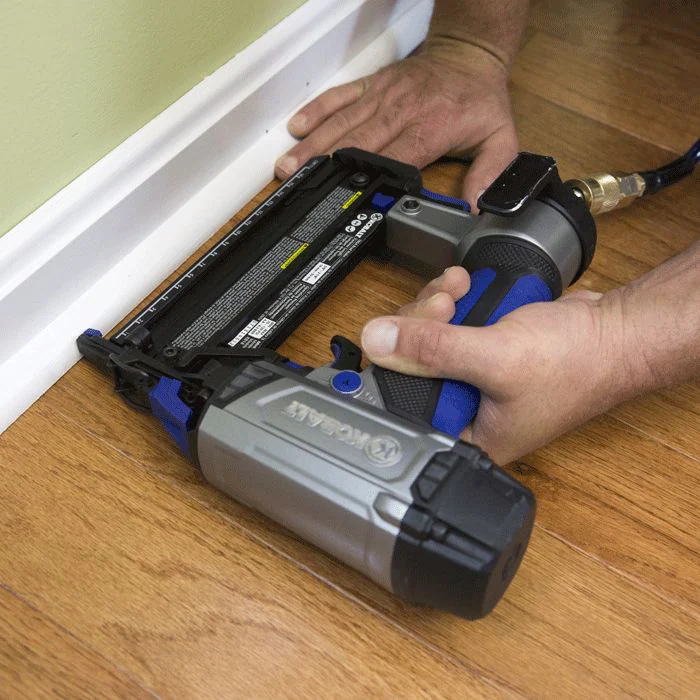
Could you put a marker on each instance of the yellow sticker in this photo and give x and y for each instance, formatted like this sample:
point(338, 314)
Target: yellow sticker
point(352, 199)
point(294, 255)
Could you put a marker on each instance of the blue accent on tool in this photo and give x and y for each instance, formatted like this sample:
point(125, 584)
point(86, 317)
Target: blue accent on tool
point(480, 282)
point(347, 382)
point(458, 402)
point(92, 333)
point(445, 199)
point(383, 202)
point(171, 410)
point(293, 365)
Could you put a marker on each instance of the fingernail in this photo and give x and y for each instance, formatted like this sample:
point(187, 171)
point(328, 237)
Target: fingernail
point(380, 337)
point(297, 122)
point(287, 164)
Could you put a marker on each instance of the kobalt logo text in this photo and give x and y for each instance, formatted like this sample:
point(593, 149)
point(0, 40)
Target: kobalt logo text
point(373, 219)
point(382, 450)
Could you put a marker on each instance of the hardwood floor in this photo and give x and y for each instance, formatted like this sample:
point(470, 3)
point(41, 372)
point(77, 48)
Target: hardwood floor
point(123, 574)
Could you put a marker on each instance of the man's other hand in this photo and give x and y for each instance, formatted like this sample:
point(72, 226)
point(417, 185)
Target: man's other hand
point(416, 111)
point(542, 369)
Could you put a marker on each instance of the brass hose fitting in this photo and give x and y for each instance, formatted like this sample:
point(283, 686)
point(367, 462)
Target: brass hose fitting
point(604, 192)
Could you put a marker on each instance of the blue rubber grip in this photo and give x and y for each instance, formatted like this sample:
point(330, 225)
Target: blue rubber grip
point(458, 402)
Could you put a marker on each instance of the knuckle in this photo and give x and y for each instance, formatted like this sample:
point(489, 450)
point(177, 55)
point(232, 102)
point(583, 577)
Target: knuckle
point(419, 141)
point(387, 119)
point(357, 138)
point(340, 122)
point(363, 85)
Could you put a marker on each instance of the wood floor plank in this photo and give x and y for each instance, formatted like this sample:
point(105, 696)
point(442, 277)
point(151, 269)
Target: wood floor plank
point(607, 538)
point(659, 39)
point(626, 500)
point(173, 594)
point(38, 659)
point(592, 82)
point(652, 415)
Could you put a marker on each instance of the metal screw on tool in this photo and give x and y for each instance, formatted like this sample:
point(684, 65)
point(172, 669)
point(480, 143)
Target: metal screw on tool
point(170, 351)
point(410, 205)
point(359, 179)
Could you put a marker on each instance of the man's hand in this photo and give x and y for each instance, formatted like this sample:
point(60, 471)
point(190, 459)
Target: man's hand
point(416, 111)
point(542, 370)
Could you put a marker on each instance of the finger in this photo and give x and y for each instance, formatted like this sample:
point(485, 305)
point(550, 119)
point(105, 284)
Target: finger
point(454, 281)
point(429, 348)
point(322, 139)
point(491, 159)
point(439, 307)
point(375, 133)
point(319, 109)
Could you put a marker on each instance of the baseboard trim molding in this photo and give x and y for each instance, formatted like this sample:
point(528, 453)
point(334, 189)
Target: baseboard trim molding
point(99, 246)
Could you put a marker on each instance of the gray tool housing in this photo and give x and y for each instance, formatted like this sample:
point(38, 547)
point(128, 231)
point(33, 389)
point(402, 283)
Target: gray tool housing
point(441, 236)
point(358, 482)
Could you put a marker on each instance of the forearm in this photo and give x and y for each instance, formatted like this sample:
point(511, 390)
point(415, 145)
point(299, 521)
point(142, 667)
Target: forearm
point(496, 26)
point(657, 320)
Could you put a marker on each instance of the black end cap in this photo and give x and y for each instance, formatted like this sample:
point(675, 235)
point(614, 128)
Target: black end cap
point(463, 539)
point(406, 177)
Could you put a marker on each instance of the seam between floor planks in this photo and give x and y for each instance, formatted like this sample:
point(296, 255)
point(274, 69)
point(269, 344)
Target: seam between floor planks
point(136, 680)
point(655, 438)
point(670, 600)
point(617, 127)
point(497, 683)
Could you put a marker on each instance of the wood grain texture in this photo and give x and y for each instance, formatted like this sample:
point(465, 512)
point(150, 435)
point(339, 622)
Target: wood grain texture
point(131, 575)
point(38, 659)
point(176, 595)
point(633, 66)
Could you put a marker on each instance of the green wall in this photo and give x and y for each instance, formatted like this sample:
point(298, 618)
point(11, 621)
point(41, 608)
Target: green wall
point(77, 77)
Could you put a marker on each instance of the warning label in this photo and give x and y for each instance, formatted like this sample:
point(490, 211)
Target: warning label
point(324, 214)
point(287, 252)
point(237, 297)
point(302, 287)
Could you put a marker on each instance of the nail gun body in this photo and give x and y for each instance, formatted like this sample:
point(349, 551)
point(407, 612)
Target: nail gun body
point(365, 463)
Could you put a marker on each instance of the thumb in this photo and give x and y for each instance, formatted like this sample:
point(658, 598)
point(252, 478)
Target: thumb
point(428, 348)
point(492, 158)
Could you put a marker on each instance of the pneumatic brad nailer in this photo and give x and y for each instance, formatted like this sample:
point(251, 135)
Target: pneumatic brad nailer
point(365, 463)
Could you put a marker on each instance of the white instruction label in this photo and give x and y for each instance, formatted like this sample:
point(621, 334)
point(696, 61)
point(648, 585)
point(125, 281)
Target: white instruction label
point(243, 333)
point(262, 329)
point(316, 273)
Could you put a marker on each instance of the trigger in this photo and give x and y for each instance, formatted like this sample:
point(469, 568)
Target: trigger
point(347, 355)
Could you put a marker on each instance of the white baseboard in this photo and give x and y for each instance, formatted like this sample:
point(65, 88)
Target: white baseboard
point(98, 247)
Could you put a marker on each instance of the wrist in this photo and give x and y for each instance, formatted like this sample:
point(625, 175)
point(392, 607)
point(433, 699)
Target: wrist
point(466, 55)
point(627, 369)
